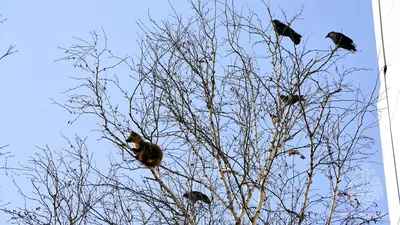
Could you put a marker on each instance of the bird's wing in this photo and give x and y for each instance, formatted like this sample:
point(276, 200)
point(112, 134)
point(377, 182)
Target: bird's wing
point(205, 199)
point(345, 38)
point(279, 27)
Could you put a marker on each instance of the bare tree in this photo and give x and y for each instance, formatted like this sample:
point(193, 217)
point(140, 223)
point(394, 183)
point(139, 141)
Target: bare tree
point(11, 48)
point(216, 92)
point(5, 155)
point(9, 51)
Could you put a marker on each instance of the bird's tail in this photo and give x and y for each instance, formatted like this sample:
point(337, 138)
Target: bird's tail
point(295, 37)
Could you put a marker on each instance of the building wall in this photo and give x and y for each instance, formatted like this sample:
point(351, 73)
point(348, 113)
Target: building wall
point(388, 45)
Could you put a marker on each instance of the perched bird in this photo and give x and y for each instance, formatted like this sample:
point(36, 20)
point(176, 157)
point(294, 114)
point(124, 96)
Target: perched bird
point(291, 99)
point(342, 41)
point(194, 196)
point(284, 30)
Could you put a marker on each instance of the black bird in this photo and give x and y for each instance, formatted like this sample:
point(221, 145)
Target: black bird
point(292, 99)
point(284, 30)
point(342, 41)
point(194, 196)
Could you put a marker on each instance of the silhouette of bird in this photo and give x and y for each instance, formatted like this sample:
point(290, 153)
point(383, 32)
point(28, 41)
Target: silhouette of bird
point(284, 30)
point(291, 99)
point(194, 196)
point(342, 41)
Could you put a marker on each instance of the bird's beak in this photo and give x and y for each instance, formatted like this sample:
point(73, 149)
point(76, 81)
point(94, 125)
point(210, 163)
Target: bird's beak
point(327, 36)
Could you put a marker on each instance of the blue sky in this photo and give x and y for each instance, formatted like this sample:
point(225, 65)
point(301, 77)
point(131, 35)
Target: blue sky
point(30, 77)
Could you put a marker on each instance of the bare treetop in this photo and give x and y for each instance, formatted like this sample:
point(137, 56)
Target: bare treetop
point(262, 132)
